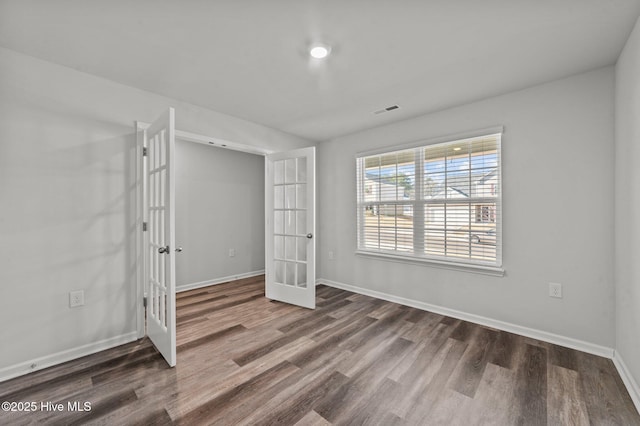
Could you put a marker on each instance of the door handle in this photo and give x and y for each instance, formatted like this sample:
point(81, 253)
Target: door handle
point(309, 235)
point(163, 250)
point(179, 249)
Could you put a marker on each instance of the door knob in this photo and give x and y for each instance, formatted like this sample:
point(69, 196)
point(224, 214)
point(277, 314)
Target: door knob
point(179, 249)
point(163, 250)
point(309, 235)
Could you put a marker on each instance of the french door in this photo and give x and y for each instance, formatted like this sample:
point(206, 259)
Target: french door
point(290, 227)
point(159, 141)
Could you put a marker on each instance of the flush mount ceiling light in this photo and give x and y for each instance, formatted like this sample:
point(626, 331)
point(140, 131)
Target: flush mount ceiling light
point(319, 50)
point(457, 148)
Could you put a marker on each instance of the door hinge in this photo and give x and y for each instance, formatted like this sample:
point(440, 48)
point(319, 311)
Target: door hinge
point(144, 151)
point(144, 302)
point(144, 226)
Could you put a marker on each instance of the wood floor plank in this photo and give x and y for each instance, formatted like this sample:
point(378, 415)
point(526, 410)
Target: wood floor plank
point(532, 386)
point(505, 350)
point(600, 392)
point(238, 328)
point(354, 395)
point(214, 408)
point(245, 359)
point(100, 406)
point(423, 373)
point(218, 305)
point(564, 400)
point(204, 390)
point(422, 327)
point(562, 357)
point(331, 342)
point(36, 389)
point(312, 419)
point(467, 376)
point(448, 408)
point(495, 402)
point(353, 406)
point(296, 333)
point(423, 360)
point(298, 383)
point(428, 396)
point(300, 405)
point(387, 324)
point(464, 331)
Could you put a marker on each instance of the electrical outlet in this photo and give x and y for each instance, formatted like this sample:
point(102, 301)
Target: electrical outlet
point(331, 255)
point(76, 298)
point(232, 252)
point(555, 290)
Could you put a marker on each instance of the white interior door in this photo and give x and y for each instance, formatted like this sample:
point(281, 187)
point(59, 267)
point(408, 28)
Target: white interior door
point(160, 241)
point(290, 227)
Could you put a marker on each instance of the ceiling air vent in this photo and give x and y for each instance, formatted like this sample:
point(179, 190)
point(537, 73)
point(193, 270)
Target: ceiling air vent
point(387, 109)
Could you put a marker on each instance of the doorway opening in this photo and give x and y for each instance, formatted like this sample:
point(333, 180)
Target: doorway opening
point(289, 226)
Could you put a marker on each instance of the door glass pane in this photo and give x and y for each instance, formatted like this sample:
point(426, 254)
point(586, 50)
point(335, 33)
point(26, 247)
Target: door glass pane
point(291, 273)
point(279, 247)
point(302, 169)
point(279, 271)
point(278, 223)
point(301, 190)
point(278, 197)
point(290, 248)
point(301, 279)
point(290, 170)
point(301, 222)
point(302, 248)
point(278, 172)
point(152, 311)
point(289, 222)
point(290, 197)
point(163, 183)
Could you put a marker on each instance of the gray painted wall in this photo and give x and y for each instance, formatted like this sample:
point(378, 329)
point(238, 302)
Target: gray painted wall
point(67, 197)
point(627, 204)
point(558, 210)
point(219, 206)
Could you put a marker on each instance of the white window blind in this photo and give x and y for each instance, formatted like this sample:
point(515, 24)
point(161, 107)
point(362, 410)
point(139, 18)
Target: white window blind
point(440, 201)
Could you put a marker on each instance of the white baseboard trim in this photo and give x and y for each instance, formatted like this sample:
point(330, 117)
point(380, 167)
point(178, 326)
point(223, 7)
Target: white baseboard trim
point(489, 322)
point(215, 281)
point(36, 364)
point(627, 378)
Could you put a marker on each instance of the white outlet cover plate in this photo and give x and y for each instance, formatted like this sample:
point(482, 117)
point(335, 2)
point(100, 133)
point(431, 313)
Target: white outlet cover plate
point(555, 290)
point(76, 298)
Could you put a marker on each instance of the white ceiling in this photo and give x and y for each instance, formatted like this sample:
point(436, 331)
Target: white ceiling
point(247, 57)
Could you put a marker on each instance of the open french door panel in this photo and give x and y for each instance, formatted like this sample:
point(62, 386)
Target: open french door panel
point(290, 227)
point(159, 143)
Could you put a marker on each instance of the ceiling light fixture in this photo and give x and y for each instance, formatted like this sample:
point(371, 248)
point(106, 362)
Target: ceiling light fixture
point(457, 148)
point(319, 51)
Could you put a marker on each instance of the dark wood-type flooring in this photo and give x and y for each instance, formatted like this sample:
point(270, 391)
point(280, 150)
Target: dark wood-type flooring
point(243, 359)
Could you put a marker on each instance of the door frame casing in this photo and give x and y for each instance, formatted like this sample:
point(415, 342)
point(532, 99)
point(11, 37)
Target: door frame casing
point(141, 275)
point(140, 256)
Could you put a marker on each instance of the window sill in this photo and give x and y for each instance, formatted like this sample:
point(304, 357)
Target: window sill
point(464, 267)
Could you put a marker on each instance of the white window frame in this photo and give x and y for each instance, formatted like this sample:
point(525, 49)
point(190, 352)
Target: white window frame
point(467, 265)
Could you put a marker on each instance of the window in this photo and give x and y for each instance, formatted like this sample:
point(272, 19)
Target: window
point(438, 202)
